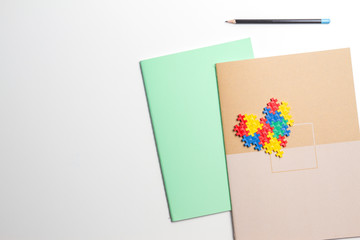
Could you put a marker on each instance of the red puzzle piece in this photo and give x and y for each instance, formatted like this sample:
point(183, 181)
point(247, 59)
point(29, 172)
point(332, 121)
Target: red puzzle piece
point(283, 141)
point(241, 130)
point(241, 118)
point(263, 140)
point(273, 105)
point(264, 131)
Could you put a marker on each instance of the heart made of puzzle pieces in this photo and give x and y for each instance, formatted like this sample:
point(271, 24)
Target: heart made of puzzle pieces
point(269, 132)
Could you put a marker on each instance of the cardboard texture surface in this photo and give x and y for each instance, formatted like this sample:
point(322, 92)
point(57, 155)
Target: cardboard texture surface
point(318, 87)
point(314, 191)
point(183, 102)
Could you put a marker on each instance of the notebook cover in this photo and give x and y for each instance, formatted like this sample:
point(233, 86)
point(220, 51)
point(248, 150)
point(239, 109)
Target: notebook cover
point(183, 101)
point(313, 192)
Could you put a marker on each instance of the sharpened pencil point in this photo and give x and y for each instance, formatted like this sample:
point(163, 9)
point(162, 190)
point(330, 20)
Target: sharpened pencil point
point(231, 21)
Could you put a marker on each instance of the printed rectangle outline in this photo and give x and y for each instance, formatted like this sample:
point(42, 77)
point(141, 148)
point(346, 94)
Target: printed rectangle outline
point(301, 169)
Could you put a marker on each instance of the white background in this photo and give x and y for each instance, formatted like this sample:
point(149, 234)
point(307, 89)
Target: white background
point(77, 153)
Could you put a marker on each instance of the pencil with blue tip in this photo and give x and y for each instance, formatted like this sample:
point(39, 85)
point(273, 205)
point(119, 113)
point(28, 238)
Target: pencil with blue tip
point(280, 21)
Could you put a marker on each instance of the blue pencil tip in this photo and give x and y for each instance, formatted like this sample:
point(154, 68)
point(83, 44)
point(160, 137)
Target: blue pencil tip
point(325, 21)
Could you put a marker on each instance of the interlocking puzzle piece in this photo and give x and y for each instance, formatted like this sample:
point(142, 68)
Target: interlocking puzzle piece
point(273, 105)
point(284, 112)
point(252, 124)
point(279, 126)
point(264, 131)
point(286, 132)
point(274, 117)
point(256, 142)
point(269, 148)
point(279, 153)
point(263, 134)
point(273, 145)
point(249, 140)
point(269, 133)
point(282, 140)
point(265, 124)
point(263, 140)
point(258, 146)
point(284, 107)
point(266, 110)
point(241, 118)
point(278, 131)
point(290, 121)
point(241, 130)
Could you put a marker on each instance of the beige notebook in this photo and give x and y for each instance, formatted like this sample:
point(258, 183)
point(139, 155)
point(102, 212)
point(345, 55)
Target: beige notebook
point(313, 191)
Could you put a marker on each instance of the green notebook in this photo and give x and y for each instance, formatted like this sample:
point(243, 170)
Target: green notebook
point(183, 100)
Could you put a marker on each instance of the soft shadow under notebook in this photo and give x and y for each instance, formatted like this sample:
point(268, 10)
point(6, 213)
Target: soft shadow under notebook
point(312, 192)
point(183, 101)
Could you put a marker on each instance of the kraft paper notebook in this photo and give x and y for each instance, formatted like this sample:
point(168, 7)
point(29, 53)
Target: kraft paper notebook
point(313, 191)
point(182, 95)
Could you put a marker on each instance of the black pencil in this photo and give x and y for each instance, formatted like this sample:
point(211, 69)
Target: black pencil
point(279, 21)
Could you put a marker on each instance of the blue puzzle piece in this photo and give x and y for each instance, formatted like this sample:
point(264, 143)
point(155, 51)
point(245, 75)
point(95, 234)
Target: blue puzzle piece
point(247, 140)
point(258, 146)
point(274, 117)
point(251, 140)
point(266, 111)
point(286, 132)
